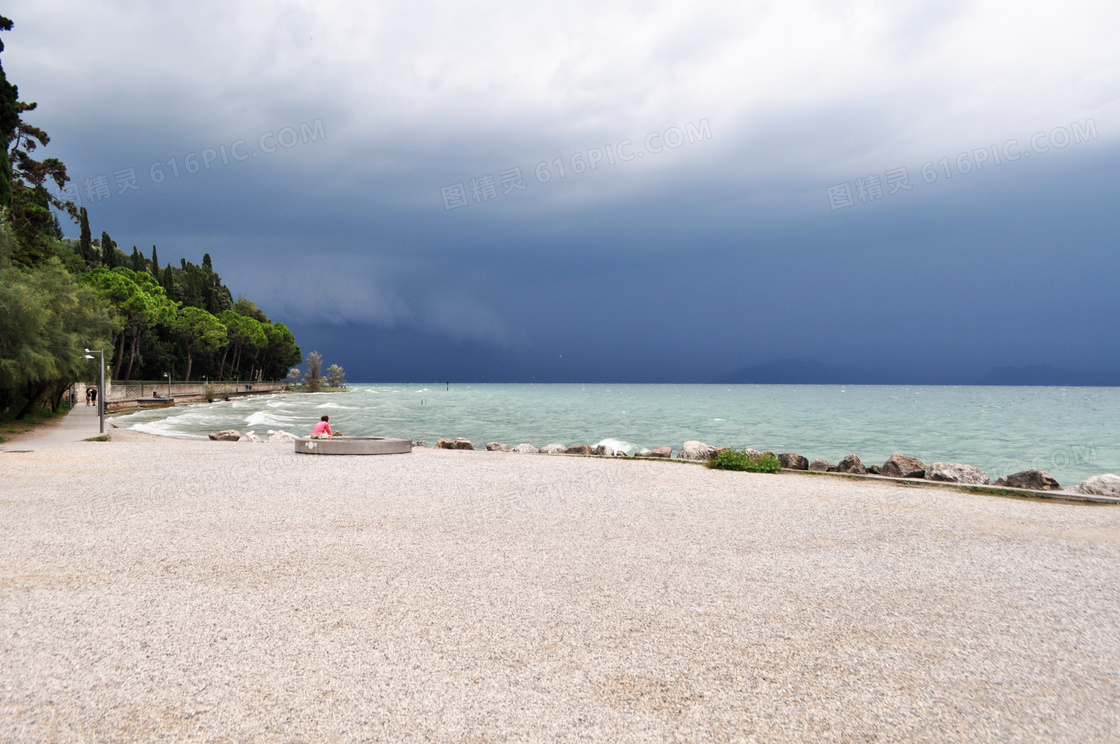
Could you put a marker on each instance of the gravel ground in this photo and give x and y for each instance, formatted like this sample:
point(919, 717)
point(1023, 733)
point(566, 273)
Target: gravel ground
point(157, 589)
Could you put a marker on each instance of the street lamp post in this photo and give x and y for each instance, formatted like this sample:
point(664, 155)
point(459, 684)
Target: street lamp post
point(100, 386)
point(168, 376)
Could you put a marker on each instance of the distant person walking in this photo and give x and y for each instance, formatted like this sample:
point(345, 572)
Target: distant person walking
point(89, 396)
point(93, 395)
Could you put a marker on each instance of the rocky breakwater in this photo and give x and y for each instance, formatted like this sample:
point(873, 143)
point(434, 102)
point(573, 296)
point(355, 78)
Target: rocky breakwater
point(898, 466)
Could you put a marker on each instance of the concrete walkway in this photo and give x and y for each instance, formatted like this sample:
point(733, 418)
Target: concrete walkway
point(81, 423)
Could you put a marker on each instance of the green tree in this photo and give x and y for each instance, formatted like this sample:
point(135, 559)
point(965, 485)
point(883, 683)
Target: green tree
point(168, 282)
point(249, 309)
point(25, 179)
point(9, 120)
point(108, 251)
point(242, 332)
point(85, 243)
point(48, 320)
point(280, 353)
point(200, 331)
point(155, 263)
point(139, 303)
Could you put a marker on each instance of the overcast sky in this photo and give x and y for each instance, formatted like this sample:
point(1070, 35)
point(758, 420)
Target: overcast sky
point(924, 189)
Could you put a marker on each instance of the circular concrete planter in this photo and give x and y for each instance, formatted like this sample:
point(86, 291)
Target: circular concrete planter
point(354, 446)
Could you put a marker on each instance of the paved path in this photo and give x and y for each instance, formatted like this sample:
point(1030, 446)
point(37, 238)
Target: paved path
point(81, 423)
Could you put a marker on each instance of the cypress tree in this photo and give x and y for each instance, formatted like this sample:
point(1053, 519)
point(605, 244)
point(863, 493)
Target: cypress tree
point(155, 263)
point(137, 260)
point(108, 251)
point(169, 282)
point(85, 241)
point(206, 263)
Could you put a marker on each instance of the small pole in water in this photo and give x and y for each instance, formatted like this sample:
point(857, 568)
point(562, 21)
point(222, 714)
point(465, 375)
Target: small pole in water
point(449, 386)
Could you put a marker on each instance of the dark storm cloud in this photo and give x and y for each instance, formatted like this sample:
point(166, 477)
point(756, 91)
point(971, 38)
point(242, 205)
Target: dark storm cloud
point(734, 247)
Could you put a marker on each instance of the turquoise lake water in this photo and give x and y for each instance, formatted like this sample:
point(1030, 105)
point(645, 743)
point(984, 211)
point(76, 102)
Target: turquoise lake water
point(1070, 432)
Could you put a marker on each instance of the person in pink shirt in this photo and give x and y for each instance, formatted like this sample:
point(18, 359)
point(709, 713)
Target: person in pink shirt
point(322, 429)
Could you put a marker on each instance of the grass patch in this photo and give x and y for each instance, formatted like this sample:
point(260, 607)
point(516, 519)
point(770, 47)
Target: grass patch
point(734, 460)
point(10, 427)
point(102, 438)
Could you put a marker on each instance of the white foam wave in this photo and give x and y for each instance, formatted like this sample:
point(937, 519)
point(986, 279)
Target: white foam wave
point(160, 429)
point(618, 445)
point(265, 418)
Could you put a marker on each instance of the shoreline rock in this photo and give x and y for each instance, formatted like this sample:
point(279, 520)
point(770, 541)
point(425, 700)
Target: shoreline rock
point(851, 464)
point(946, 472)
point(226, 435)
point(496, 447)
point(819, 466)
point(1107, 484)
point(554, 449)
point(903, 466)
point(524, 449)
point(1033, 480)
point(793, 461)
point(696, 451)
point(579, 449)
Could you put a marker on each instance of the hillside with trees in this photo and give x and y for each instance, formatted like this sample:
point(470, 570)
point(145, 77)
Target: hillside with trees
point(59, 295)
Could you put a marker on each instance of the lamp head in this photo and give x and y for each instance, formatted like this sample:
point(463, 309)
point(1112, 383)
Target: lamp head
point(89, 356)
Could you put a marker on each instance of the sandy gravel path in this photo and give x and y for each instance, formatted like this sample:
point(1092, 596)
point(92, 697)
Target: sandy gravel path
point(202, 591)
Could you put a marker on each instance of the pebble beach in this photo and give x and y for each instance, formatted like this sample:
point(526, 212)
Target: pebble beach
point(168, 589)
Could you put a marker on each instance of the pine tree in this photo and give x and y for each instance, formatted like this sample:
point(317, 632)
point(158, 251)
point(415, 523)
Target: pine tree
point(84, 242)
point(9, 120)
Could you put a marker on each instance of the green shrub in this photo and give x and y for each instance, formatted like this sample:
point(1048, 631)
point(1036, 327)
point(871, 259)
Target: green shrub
point(734, 460)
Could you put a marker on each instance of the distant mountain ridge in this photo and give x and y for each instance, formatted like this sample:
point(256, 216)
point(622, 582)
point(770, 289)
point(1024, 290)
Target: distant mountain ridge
point(809, 372)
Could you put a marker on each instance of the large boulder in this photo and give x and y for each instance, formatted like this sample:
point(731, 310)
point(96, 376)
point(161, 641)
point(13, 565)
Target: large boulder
point(463, 444)
point(524, 449)
point(793, 461)
point(819, 466)
point(903, 466)
point(579, 449)
point(251, 436)
point(665, 452)
point(751, 453)
point(698, 451)
point(445, 444)
point(1033, 480)
point(1101, 485)
point(279, 435)
point(226, 435)
point(851, 464)
point(554, 449)
point(496, 447)
point(951, 472)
